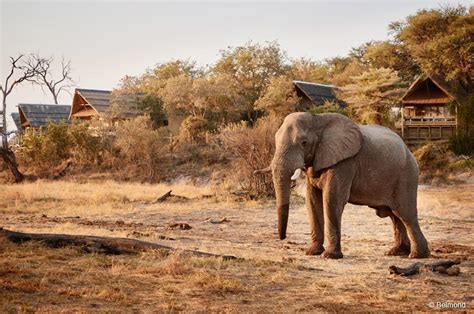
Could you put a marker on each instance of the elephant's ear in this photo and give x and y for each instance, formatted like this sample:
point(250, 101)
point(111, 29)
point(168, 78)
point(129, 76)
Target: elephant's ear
point(340, 139)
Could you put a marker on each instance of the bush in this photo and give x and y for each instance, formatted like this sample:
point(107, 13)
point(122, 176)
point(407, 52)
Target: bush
point(46, 148)
point(253, 149)
point(141, 146)
point(432, 156)
point(462, 144)
point(87, 146)
point(193, 129)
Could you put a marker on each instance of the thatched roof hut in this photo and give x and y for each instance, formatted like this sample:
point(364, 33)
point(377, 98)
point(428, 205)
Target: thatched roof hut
point(36, 115)
point(313, 94)
point(88, 103)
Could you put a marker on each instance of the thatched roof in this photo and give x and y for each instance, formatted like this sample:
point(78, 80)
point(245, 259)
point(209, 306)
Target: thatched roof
point(316, 93)
point(35, 115)
point(16, 119)
point(88, 103)
point(430, 89)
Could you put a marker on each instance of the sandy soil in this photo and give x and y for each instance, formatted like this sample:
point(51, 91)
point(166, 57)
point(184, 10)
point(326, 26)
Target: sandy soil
point(359, 282)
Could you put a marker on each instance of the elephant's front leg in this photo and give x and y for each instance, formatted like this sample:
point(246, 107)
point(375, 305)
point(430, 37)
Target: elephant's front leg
point(335, 197)
point(314, 205)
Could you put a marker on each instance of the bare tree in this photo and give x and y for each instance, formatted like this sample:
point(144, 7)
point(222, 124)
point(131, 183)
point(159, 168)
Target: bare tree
point(45, 77)
point(22, 69)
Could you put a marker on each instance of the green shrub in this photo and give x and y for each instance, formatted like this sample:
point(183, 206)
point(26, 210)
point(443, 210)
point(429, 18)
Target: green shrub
point(462, 144)
point(48, 147)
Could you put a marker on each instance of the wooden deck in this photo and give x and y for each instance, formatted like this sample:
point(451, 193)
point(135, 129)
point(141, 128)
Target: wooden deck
point(423, 129)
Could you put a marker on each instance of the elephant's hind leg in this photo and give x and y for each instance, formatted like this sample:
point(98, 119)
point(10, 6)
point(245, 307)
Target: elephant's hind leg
point(402, 242)
point(418, 244)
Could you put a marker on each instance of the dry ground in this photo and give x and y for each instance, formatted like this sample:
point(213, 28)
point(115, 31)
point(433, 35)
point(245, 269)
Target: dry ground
point(274, 275)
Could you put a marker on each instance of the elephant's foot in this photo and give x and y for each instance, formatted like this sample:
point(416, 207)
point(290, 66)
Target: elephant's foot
point(332, 254)
point(399, 250)
point(315, 249)
point(420, 253)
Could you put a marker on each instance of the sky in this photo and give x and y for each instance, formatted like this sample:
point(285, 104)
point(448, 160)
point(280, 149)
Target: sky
point(106, 40)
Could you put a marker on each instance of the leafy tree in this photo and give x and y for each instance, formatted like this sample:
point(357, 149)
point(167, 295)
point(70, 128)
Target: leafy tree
point(154, 108)
point(372, 95)
point(154, 80)
point(441, 42)
point(177, 94)
point(279, 98)
point(344, 74)
point(328, 106)
point(390, 54)
point(250, 68)
point(309, 71)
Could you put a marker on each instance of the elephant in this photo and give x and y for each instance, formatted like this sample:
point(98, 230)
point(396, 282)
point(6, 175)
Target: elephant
point(346, 163)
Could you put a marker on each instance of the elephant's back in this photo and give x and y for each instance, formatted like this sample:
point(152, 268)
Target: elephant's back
point(383, 151)
point(384, 164)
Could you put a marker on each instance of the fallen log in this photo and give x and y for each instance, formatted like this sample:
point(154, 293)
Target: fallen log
point(442, 267)
point(96, 244)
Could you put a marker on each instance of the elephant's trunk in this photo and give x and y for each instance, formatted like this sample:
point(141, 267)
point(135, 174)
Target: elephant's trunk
point(282, 183)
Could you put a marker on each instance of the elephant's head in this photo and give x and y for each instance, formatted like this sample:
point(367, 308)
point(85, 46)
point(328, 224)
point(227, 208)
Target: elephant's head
point(305, 140)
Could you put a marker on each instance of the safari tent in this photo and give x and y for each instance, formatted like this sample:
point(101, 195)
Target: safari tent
point(313, 94)
point(426, 114)
point(37, 115)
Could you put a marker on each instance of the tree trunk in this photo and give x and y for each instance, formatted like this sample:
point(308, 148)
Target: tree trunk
point(102, 245)
point(9, 158)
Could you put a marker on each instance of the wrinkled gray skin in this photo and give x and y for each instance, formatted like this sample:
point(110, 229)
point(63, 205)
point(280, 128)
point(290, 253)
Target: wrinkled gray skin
point(344, 162)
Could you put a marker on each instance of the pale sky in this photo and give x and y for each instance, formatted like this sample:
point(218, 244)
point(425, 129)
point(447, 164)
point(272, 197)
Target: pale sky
point(106, 40)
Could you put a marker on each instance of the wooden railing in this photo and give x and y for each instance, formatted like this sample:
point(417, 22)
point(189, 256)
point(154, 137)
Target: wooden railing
point(440, 121)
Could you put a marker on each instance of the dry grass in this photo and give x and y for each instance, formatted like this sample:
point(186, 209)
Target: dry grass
point(92, 198)
point(274, 277)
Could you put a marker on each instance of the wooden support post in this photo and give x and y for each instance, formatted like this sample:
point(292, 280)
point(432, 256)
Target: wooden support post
point(403, 121)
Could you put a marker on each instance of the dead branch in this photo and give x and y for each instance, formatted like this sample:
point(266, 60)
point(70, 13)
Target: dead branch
point(442, 267)
point(64, 170)
point(220, 221)
point(95, 244)
point(163, 197)
point(167, 195)
point(179, 225)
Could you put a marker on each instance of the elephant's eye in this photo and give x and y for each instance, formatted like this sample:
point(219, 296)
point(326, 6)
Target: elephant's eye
point(304, 143)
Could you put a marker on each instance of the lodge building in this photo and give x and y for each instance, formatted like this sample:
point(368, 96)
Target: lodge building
point(428, 111)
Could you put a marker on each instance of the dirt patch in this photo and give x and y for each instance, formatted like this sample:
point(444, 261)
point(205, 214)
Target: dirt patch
point(273, 275)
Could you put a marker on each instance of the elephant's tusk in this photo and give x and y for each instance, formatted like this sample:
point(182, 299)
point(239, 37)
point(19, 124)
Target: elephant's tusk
point(296, 175)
